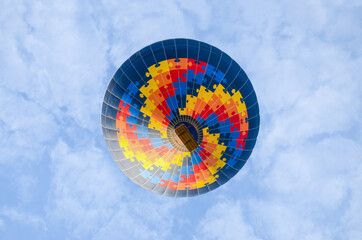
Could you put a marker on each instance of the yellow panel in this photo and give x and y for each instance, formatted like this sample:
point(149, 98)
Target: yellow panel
point(128, 153)
point(182, 111)
point(164, 162)
point(205, 95)
point(219, 149)
point(212, 138)
point(211, 179)
point(147, 164)
point(155, 71)
point(179, 161)
point(190, 102)
point(220, 164)
point(219, 92)
point(148, 108)
point(165, 166)
point(160, 162)
point(124, 143)
point(212, 169)
point(187, 154)
point(149, 89)
point(237, 99)
point(141, 157)
point(157, 125)
point(200, 183)
point(154, 124)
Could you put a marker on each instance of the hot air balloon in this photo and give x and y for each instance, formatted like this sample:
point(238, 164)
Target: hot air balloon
point(180, 117)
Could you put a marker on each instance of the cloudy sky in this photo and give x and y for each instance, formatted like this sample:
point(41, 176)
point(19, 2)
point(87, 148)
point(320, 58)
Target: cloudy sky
point(303, 180)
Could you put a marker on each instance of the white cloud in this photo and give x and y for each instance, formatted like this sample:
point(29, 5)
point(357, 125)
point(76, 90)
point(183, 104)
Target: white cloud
point(303, 57)
point(312, 183)
point(82, 191)
point(57, 63)
point(26, 185)
point(26, 127)
point(93, 198)
point(23, 218)
point(224, 220)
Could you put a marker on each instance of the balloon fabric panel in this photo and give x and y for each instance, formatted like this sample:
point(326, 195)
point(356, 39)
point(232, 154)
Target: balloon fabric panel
point(180, 117)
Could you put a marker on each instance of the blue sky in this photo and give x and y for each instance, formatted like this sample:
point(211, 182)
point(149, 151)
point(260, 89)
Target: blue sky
point(303, 180)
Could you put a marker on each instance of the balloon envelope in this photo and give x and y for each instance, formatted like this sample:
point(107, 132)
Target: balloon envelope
point(180, 117)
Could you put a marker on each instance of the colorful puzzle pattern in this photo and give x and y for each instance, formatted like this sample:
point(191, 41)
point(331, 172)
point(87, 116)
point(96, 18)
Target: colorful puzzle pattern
point(140, 102)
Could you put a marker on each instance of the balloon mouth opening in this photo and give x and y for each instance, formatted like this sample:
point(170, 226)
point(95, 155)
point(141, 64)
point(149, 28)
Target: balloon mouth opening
point(185, 133)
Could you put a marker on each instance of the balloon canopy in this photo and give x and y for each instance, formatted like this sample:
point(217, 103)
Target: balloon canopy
point(180, 117)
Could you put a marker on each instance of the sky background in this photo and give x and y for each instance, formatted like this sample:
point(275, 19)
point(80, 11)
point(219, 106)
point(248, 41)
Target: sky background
point(302, 181)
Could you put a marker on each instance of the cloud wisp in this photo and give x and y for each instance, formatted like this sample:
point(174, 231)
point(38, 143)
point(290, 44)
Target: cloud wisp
point(302, 181)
